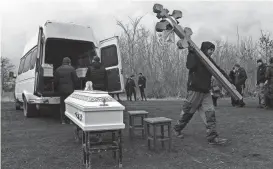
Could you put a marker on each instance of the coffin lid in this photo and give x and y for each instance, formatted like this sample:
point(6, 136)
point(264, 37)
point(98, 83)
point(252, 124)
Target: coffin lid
point(93, 101)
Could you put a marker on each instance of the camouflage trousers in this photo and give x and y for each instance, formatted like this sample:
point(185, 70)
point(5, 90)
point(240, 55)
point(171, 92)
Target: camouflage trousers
point(261, 93)
point(202, 103)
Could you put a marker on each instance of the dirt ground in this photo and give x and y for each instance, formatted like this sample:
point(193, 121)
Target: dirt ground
point(44, 143)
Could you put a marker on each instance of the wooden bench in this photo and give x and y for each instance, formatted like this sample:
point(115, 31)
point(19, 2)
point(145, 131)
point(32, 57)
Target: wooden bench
point(132, 126)
point(158, 122)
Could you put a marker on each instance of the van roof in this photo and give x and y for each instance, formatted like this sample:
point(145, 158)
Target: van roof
point(61, 30)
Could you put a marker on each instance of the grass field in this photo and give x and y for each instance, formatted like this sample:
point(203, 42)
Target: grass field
point(44, 143)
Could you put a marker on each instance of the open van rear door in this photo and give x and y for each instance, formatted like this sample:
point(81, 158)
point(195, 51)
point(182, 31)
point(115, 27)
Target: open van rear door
point(38, 85)
point(111, 60)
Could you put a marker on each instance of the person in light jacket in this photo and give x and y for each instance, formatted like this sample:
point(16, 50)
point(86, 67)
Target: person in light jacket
point(216, 91)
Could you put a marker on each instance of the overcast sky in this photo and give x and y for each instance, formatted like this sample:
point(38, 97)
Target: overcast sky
point(208, 20)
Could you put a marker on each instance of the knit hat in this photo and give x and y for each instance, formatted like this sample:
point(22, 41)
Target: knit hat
point(237, 65)
point(96, 59)
point(66, 60)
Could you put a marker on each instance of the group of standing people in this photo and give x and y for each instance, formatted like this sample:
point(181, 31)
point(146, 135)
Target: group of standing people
point(130, 87)
point(238, 77)
point(66, 80)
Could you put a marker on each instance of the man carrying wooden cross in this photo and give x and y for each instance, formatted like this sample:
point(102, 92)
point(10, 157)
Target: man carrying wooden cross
point(198, 97)
point(201, 67)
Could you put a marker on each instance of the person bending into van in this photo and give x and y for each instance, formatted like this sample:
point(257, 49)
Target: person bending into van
point(198, 96)
point(142, 86)
point(97, 74)
point(65, 81)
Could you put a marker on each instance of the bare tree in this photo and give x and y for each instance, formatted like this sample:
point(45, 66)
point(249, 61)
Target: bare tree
point(266, 45)
point(165, 66)
point(131, 37)
point(6, 68)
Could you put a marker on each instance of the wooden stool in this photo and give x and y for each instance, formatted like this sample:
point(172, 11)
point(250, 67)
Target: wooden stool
point(156, 122)
point(132, 115)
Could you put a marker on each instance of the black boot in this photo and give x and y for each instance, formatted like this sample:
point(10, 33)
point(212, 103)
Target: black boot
point(241, 103)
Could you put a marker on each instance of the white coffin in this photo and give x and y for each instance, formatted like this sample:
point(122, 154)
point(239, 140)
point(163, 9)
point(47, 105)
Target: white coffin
point(86, 109)
point(81, 72)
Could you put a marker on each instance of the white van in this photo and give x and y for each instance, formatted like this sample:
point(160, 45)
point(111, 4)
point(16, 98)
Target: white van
point(45, 52)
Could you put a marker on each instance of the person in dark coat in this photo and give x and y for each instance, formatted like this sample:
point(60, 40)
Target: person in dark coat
point(97, 74)
point(113, 95)
point(127, 88)
point(198, 96)
point(240, 79)
point(260, 82)
point(131, 87)
point(65, 81)
point(232, 81)
point(269, 84)
point(142, 86)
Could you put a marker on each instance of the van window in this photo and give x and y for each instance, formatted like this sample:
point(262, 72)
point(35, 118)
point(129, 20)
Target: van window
point(80, 52)
point(33, 58)
point(109, 56)
point(20, 70)
point(27, 62)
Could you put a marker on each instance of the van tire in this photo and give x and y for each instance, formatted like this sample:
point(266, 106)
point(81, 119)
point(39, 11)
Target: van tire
point(29, 109)
point(17, 105)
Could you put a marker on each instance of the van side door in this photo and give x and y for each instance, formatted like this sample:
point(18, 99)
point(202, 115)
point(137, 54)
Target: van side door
point(39, 72)
point(112, 61)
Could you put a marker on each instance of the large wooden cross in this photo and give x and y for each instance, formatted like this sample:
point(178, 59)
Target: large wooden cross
point(170, 22)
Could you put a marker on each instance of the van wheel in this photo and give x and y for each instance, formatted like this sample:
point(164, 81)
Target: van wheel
point(17, 105)
point(29, 109)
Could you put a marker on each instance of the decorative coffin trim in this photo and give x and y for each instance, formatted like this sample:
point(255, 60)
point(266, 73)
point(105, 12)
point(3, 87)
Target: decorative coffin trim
point(94, 109)
point(91, 99)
